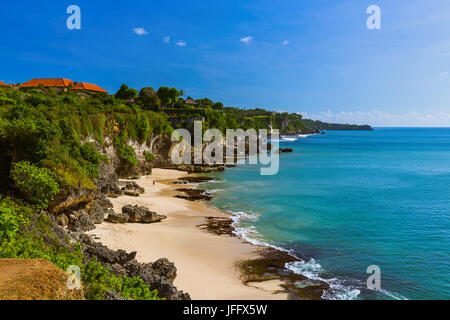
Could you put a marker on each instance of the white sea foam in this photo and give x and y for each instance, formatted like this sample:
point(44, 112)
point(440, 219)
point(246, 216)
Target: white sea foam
point(395, 296)
point(213, 191)
point(213, 181)
point(310, 269)
point(289, 138)
point(250, 234)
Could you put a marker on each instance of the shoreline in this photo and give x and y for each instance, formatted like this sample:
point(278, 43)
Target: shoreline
point(206, 261)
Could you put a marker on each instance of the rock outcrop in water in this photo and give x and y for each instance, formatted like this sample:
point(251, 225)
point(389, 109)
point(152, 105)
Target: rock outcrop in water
point(194, 194)
point(285, 150)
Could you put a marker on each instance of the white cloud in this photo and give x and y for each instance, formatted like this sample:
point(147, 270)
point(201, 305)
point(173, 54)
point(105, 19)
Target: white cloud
point(285, 42)
point(445, 73)
point(140, 31)
point(380, 118)
point(181, 43)
point(246, 40)
point(166, 39)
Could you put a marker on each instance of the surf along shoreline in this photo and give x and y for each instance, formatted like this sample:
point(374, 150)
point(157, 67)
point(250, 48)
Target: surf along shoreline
point(212, 261)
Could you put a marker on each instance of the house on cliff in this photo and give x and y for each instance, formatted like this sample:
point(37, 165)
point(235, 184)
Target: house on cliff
point(61, 83)
point(2, 84)
point(89, 87)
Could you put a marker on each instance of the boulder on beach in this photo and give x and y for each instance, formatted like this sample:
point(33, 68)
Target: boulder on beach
point(131, 193)
point(140, 214)
point(111, 189)
point(118, 218)
point(133, 187)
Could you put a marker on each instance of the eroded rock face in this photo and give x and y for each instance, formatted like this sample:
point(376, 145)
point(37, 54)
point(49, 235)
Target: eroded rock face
point(112, 190)
point(103, 200)
point(71, 200)
point(81, 223)
point(81, 214)
point(140, 214)
point(163, 267)
point(158, 275)
point(96, 212)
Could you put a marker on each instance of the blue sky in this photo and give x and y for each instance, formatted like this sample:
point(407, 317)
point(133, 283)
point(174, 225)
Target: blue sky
point(313, 57)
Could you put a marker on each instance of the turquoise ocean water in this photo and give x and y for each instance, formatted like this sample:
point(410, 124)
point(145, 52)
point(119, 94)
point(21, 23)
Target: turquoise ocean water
point(346, 200)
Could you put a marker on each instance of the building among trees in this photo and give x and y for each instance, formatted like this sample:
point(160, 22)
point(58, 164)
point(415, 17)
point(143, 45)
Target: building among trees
point(88, 86)
point(2, 84)
point(61, 83)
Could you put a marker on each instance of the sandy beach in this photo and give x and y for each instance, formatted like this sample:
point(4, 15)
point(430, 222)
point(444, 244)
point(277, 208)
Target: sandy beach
point(205, 261)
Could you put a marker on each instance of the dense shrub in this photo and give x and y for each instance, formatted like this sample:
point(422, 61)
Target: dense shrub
point(36, 184)
point(12, 216)
point(125, 152)
point(17, 241)
point(93, 159)
point(149, 156)
point(125, 93)
point(99, 280)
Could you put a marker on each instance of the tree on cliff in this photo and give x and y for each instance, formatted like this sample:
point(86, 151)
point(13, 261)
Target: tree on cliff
point(148, 99)
point(168, 96)
point(126, 93)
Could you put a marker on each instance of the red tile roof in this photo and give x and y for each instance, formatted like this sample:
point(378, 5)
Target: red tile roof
point(2, 84)
point(60, 82)
point(88, 86)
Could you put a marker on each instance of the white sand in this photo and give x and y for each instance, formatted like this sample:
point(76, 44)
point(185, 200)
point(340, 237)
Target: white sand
point(205, 262)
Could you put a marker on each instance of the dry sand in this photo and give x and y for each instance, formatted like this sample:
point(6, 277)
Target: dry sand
point(205, 261)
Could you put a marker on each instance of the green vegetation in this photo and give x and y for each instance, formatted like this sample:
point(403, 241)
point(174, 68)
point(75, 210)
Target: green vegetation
point(126, 93)
point(37, 185)
point(149, 99)
point(319, 125)
point(125, 152)
point(149, 156)
point(17, 241)
point(47, 129)
point(99, 280)
point(42, 151)
point(49, 142)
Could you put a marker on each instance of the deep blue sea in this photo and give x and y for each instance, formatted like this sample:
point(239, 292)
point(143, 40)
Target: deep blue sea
point(347, 200)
